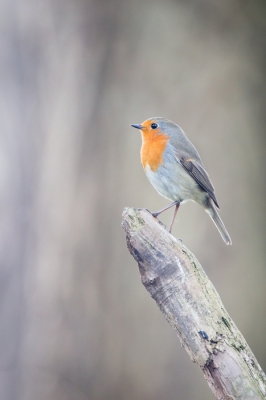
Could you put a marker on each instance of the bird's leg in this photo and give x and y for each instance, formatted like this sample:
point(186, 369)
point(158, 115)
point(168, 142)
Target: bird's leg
point(155, 214)
point(175, 212)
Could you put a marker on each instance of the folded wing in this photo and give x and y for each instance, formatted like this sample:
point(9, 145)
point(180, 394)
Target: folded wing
point(197, 171)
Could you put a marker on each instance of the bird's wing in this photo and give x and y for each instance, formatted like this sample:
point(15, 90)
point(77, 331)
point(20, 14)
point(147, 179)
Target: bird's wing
point(197, 171)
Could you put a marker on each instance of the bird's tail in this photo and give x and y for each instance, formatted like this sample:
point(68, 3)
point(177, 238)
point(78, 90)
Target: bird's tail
point(211, 210)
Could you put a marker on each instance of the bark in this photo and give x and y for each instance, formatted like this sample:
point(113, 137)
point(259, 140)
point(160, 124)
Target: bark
point(177, 282)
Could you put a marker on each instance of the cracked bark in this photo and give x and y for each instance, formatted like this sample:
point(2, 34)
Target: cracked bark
point(176, 281)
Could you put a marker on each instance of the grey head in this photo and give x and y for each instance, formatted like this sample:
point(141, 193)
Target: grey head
point(178, 138)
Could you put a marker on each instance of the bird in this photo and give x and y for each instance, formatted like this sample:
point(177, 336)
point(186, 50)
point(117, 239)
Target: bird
point(173, 166)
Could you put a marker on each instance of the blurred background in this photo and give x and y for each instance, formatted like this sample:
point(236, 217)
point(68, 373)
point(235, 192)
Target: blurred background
point(75, 321)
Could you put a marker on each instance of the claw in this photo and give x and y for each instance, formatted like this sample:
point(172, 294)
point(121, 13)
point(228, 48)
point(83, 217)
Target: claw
point(145, 209)
point(161, 223)
point(154, 214)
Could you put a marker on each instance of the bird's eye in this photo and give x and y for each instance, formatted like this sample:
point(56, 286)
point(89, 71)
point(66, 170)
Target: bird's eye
point(154, 125)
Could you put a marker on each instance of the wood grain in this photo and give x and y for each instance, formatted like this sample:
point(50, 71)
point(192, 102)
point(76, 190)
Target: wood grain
point(190, 303)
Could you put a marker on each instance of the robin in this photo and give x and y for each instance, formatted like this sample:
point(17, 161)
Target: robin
point(174, 167)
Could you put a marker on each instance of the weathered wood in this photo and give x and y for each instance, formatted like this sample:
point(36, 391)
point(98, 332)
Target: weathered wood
point(176, 281)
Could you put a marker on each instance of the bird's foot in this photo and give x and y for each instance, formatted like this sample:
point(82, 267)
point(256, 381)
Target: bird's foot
point(155, 215)
point(161, 223)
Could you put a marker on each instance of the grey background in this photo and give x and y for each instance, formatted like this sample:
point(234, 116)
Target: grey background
point(76, 322)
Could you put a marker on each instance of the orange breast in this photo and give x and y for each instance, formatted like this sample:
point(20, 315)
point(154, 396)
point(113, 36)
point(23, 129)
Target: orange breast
point(152, 150)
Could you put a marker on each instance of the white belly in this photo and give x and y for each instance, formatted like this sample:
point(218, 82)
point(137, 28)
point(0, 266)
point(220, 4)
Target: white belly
point(176, 185)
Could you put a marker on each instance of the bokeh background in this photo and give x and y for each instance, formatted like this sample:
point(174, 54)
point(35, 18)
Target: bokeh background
point(75, 321)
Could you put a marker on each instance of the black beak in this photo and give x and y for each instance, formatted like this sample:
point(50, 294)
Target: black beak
point(138, 126)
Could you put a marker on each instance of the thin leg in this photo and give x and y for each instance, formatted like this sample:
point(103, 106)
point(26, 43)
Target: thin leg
point(175, 212)
point(155, 214)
